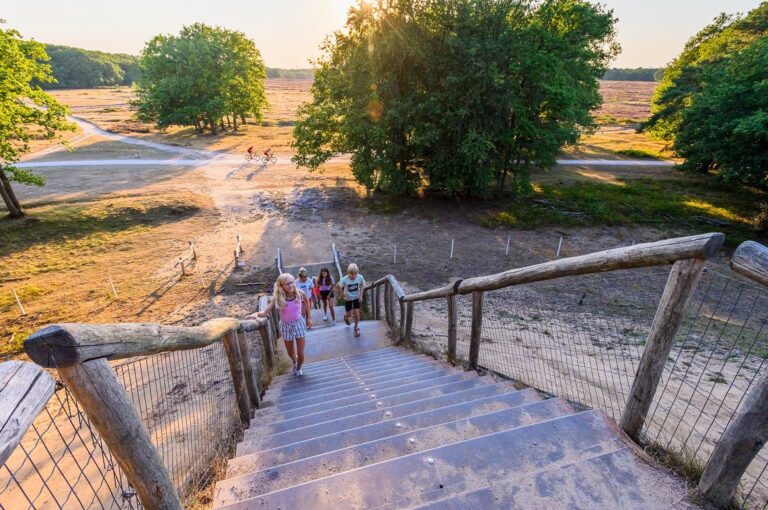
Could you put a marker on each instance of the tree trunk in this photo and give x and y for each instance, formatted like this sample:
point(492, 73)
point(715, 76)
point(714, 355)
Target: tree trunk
point(242, 119)
point(229, 123)
point(9, 197)
point(234, 122)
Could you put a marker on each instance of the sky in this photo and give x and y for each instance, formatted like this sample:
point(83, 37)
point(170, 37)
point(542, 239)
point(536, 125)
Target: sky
point(289, 32)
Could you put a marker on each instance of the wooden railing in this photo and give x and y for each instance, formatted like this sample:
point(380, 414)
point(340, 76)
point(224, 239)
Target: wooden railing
point(746, 435)
point(686, 254)
point(81, 354)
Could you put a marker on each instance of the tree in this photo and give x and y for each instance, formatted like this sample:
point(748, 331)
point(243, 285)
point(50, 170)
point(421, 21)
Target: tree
point(25, 111)
point(78, 68)
point(456, 94)
point(199, 77)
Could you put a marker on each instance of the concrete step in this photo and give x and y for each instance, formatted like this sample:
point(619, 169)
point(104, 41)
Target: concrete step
point(383, 395)
point(313, 468)
point(327, 343)
point(330, 366)
point(387, 428)
point(351, 380)
point(440, 396)
point(619, 479)
point(503, 455)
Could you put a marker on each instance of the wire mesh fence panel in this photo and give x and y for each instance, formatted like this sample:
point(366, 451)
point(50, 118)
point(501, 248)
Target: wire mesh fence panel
point(720, 352)
point(62, 462)
point(579, 337)
point(186, 401)
point(430, 327)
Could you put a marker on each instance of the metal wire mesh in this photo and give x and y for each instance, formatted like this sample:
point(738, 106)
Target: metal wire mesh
point(61, 462)
point(582, 338)
point(186, 401)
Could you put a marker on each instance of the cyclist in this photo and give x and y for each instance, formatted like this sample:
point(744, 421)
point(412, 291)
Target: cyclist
point(268, 153)
point(250, 151)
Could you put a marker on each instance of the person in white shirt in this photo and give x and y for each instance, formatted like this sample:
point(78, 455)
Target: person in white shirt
point(305, 286)
point(351, 287)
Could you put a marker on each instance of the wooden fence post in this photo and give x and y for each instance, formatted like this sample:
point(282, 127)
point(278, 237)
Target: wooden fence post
point(376, 309)
point(238, 377)
point(389, 295)
point(251, 381)
point(739, 444)
point(408, 323)
point(109, 408)
point(387, 303)
point(680, 285)
point(401, 329)
point(452, 329)
point(477, 329)
point(269, 354)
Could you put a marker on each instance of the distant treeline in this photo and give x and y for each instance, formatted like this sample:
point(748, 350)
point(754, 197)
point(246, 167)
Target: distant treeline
point(637, 74)
point(75, 68)
point(290, 74)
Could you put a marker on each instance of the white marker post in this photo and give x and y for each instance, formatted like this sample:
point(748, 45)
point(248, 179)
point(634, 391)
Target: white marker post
point(452, 244)
point(200, 274)
point(111, 284)
point(394, 257)
point(559, 245)
point(18, 302)
point(506, 252)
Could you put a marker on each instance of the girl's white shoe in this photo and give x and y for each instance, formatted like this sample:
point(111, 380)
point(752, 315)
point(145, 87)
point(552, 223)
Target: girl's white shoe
point(325, 317)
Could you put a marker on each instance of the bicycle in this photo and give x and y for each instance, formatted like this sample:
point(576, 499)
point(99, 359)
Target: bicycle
point(263, 159)
point(270, 159)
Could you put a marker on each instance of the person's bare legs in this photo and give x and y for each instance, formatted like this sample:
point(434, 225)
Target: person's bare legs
point(329, 302)
point(300, 342)
point(356, 313)
point(291, 353)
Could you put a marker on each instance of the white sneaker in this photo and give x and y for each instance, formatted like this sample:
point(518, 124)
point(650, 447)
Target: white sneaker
point(325, 317)
point(300, 372)
point(333, 321)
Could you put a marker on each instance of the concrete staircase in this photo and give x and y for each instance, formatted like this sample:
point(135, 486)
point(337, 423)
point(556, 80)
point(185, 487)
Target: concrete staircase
point(375, 426)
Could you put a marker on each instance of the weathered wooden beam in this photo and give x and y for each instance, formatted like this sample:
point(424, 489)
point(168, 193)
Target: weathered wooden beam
point(751, 260)
point(63, 345)
point(630, 257)
point(739, 444)
point(376, 303)
point(109, 408)
point(401, 329)
point(268, 340)
point(251, 379)
point(452, 332)
point(408, 323)
point(680, 285)
point(439, 292)
point(238, 377)
point(24, 391)
point(477, 329)
point(387, 304)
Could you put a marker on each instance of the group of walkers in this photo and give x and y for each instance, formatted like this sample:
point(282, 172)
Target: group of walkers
point(295, 298)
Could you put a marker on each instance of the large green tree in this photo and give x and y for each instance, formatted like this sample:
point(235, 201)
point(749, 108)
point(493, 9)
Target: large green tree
point(200, 77)
point(455, 94)
point(25, 111)
point(712, 102)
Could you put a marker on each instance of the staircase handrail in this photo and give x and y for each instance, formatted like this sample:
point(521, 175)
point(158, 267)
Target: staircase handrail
point(337, 260)
point(80, 353)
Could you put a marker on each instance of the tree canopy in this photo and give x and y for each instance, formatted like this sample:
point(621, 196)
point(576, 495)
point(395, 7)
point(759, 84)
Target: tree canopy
point(455, 94)
point(199, 77)
point(25, 110)
point(78, 68)
point(633, 74)
point(712, 102)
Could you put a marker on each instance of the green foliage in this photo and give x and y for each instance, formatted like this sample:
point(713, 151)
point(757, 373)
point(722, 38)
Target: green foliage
point(198, 77)
point(676, 204)
point(78, 68)
point(712, 103)
point(638, 154)
point(25, 110)
point(455, 94)
point(636, 74)
point(290, 74)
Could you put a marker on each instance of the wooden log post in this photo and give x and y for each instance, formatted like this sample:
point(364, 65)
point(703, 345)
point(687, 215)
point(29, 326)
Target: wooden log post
point(401, 329)
point(387, 303)
point(24, 391)
point(238, 377)
point(452, 333)
point(109, 408)
point(739, 444)
point(680, 285)
point(751, 260)
point(477, 329)
point(266, 339)
point(389, 295)
point(376, 303)
point(251, 379)
point(408, 323)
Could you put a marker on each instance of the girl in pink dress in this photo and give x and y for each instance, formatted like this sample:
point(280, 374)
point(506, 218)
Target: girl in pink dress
point(293, 305)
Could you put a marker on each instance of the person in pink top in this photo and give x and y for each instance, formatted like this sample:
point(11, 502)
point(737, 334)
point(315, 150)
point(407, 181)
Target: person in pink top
point(293, 305)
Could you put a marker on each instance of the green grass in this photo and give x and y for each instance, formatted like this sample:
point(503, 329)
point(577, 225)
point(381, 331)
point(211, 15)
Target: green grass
point(639, 154)
point(679, 204)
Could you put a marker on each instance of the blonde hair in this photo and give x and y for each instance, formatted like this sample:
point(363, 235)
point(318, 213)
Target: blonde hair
point(352, 268)
point(278, 294)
